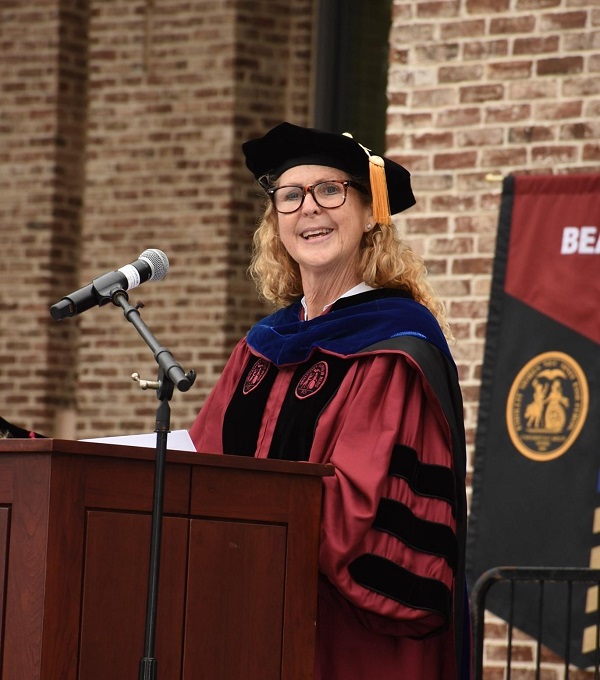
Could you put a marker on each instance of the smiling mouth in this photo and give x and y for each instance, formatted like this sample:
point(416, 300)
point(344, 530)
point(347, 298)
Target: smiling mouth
point(315, 233)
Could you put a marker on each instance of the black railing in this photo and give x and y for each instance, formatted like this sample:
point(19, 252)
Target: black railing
point(540, 575)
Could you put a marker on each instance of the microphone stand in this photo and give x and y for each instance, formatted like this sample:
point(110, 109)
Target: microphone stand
point(170, 375)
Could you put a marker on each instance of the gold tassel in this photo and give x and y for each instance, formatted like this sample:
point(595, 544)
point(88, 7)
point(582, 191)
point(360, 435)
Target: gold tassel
point(381, 200)
point(379, 192)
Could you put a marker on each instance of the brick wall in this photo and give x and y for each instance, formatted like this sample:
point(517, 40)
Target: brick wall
point(479, 89)
point(41, 133)
point(123, 122)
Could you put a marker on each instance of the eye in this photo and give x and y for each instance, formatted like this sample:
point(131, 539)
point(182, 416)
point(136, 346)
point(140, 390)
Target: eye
point(288, 194)
point(329, 188)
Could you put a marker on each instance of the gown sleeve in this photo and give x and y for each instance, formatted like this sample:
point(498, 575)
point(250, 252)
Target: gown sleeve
point(388, 534)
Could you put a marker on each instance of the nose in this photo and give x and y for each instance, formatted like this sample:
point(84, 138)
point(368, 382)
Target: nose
point(310, 206)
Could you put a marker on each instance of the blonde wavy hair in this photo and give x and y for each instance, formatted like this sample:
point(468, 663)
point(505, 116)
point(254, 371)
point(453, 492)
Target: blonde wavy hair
point(385, 261)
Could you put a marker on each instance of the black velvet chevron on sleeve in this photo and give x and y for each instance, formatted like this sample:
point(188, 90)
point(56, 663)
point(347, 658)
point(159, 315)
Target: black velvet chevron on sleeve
point(434, 481)
point(422, 535)
point(391, 580)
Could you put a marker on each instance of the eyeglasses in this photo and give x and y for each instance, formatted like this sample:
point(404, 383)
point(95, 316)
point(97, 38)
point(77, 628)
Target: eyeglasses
point(331, 194)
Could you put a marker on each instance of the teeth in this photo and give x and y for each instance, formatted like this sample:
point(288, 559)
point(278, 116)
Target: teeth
point(316, 232)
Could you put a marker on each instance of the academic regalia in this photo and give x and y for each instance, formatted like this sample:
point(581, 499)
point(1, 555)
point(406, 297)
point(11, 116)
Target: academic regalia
point(10, 431)
point(370, 388)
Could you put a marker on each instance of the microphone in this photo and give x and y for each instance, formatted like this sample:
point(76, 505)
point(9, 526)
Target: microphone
point(152, 265)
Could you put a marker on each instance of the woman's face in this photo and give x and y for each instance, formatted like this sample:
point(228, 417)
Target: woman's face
point(323, 241)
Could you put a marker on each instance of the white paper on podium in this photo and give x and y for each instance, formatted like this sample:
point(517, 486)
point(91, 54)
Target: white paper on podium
point(178, 440)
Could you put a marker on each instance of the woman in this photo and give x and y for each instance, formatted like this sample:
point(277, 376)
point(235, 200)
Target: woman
point(354, 370)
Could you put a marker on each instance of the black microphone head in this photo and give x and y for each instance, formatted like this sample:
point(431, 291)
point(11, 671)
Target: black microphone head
point(158, 261)
point(62, 309)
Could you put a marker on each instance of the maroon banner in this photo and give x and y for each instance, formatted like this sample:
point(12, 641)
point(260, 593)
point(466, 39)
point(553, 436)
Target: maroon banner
point(536, 483)
point(553, 262)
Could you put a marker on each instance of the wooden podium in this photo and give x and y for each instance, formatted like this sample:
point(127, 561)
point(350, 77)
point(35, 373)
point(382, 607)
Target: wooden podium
point(238, 574)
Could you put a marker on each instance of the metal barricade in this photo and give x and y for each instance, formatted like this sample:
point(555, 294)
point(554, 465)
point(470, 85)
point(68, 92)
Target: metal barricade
point(541, 575)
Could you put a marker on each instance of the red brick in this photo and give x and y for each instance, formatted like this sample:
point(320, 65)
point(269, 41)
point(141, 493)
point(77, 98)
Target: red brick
point(591, 152)
point(588, 130)
point(407, 32)
point(462, 159)
point(577, 41)
point(469, 28)
point(582, 87)
point(436, 266)
point(431, 183)
point(533, 89)
point(400, 12)
point(432, 140)
point(559, 66)
point(513, 25)
point(475, 182)
point(415, 120)
point(555, 154)
point(470, 309)
point(563, 21)
point(437, 53)
point(430, 98)
point(536, 45)
point(399, 56)
point(398, 99)
point(480, 137)
point(531, 133)
point(510, 70)
point(459, 117)
point(548, 111)
point(487, 6)
point(436, 10)
point(507, 113)
point(453, 204)
point(480, 49)
point(592, 109)
point(416, 162)
point(457, 74)
point(504, 158)
point(536, 4)
point(429, 225)
point(481, 93)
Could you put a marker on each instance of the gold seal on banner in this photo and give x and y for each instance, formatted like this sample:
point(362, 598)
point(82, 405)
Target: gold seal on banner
point(547, 406)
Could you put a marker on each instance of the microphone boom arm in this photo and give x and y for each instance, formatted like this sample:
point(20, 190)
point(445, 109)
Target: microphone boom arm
point(170, 368)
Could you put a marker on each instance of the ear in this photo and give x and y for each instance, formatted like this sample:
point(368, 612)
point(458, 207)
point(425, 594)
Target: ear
point(369, 221)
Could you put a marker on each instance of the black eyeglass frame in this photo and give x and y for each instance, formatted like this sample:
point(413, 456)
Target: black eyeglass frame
point(309, 189)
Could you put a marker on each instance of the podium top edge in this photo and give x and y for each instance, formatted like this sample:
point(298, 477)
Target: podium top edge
point(45, 446)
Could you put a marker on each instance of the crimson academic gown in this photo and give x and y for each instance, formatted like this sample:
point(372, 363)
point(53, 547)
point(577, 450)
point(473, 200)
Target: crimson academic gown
point(371, 389)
